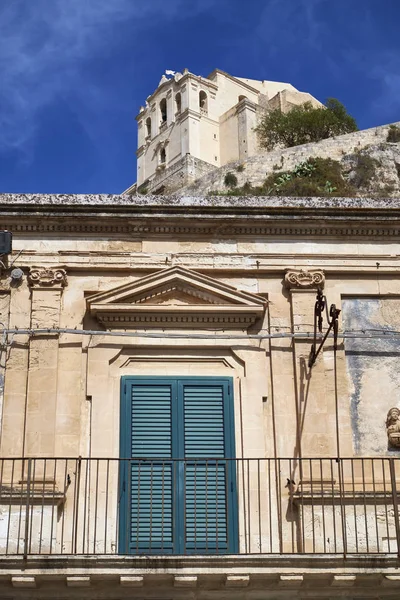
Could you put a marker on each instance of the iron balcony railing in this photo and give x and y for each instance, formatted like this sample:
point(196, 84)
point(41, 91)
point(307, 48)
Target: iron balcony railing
point(79, 506)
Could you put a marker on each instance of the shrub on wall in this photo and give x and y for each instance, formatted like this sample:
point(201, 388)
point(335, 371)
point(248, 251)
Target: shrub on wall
point(304, 124)
point(314, 177)
point(230, 180)
point(393, 134)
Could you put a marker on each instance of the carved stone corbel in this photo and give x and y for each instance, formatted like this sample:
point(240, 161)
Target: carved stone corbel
point(304, 279)
point(47, 278)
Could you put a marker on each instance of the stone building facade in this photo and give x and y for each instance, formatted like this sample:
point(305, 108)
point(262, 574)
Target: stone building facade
point(192, 125)
point(170, 426)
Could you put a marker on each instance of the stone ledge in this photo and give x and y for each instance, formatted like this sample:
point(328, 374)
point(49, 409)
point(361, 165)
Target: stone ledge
point(290, 581)
point(199, 202)
point(23, 581)
point(78, 581)
point(343, 580)
point(227, 570)
point(237, 580)
point(391, 580)
point(213, 580)
point(185, 581)
point(131, 581)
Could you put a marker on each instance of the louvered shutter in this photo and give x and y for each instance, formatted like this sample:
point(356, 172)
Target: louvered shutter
point(205, 481)
point(151, 498)
point(178, 490)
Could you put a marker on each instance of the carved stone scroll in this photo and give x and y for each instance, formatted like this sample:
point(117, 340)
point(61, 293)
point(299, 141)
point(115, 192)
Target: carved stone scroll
point(47, 278)
point(303, 279)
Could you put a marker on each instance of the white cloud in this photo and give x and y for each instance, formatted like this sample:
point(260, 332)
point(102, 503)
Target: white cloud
point(45, 44)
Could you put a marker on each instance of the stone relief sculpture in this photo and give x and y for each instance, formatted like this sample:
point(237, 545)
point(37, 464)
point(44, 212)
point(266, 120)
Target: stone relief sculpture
point(304, 279)
point(42, 277)
point(393, 427)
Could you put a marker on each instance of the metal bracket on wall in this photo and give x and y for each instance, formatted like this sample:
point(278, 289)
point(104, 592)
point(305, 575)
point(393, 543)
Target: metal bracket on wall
point(332, 319)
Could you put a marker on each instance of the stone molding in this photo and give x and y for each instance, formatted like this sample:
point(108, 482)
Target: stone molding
point(47, 278)
point(304, 279)
point(219, 575)
point(86, 224)
point(197, 321)
point(176, 297)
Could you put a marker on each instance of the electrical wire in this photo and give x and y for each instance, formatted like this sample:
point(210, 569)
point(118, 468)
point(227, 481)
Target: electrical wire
point(349, 334)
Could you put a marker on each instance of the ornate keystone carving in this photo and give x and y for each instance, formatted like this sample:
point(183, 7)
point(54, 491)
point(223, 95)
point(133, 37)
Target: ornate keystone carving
point(393, 427)
point(303, 279)
point(47, 278)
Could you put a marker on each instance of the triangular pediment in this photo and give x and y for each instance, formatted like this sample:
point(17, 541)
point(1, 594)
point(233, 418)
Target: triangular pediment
point(176, 297)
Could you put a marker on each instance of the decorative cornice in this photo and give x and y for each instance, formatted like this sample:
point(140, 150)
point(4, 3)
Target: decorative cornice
point(302, 279)
point(223, 216)
point(93, 224)
point(177, 319)
point(47, 278)
point(137, 303)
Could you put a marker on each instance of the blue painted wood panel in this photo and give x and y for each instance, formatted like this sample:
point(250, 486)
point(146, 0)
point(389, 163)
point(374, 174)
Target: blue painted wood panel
point(171, 505)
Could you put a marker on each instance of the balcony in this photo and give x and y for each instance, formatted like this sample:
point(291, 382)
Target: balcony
point(321, 507)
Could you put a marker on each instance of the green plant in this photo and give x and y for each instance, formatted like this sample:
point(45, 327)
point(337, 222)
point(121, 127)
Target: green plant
point(275, 167)
point(230, 180)
point(393, 134)
point(304, 169)
point(315, 177)
point(142, 191)
point(282, 179)
point(329, 188)
point(240, 168)
point(304, 124)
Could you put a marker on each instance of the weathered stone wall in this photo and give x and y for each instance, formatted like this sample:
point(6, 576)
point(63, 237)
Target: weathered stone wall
point(184, 171)
point(258, 167)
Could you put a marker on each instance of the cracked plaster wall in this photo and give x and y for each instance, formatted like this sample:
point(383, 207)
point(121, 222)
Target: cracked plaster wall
point(373, 367)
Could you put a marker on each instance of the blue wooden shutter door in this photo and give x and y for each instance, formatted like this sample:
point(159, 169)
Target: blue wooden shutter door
point(205, 481)
point(177, 506)
point(151, 519)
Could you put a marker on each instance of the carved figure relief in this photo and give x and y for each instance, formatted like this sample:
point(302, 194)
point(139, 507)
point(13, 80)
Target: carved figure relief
point(304, 279)
point(393, 427)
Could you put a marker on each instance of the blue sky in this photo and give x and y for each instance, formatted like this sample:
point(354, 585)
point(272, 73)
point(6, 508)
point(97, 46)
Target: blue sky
point(73, 73)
